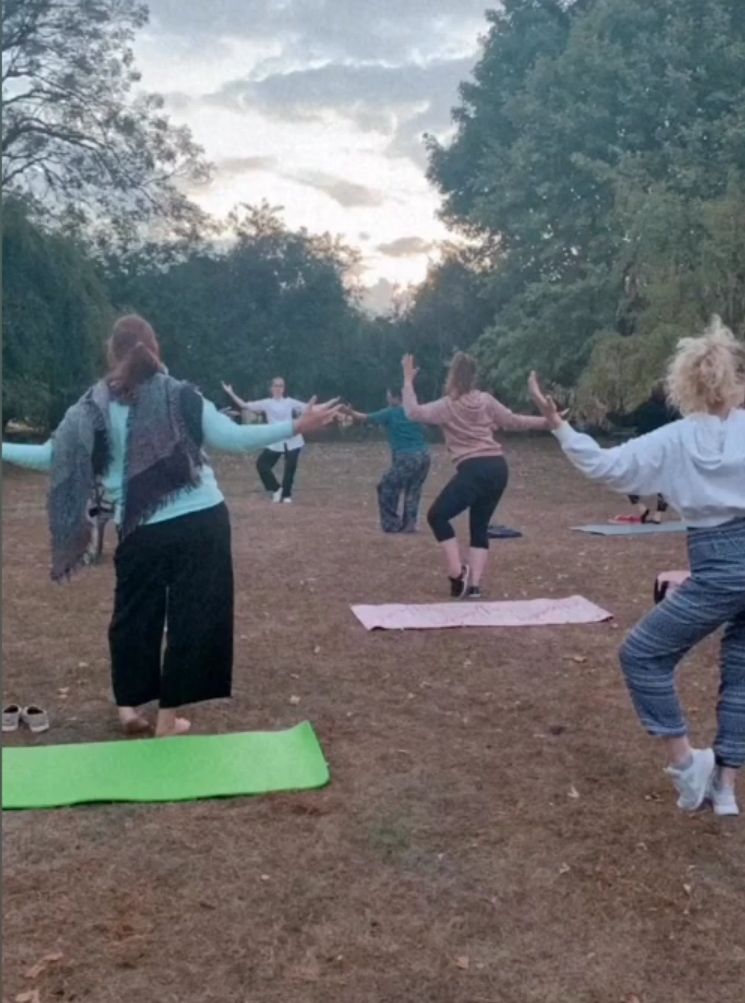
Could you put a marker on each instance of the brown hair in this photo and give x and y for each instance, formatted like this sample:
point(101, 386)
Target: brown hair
point(134, 355)
point(461, 375)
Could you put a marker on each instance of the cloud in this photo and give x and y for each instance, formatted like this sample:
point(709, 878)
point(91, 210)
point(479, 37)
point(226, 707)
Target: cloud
point(406, 247)
point(347, 193)
point(244, 165)
point(329, 29)
point(379, 299)
point(403, 102)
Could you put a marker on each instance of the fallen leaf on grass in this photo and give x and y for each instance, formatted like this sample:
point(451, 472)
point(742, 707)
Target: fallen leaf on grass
point(49, 959)
point(32, 996)
point(463, 962)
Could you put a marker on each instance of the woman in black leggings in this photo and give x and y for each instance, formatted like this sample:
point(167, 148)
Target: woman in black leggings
point(468, 418)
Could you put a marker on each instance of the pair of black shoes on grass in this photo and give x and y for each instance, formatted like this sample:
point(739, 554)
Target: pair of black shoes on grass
point(461, 588)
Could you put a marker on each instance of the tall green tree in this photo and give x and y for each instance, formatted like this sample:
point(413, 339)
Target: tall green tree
point(580, 117)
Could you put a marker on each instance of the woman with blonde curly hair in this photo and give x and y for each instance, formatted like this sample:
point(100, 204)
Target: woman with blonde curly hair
point(698, 464)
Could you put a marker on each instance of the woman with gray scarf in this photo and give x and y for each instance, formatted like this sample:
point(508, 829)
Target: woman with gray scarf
point(136, 439)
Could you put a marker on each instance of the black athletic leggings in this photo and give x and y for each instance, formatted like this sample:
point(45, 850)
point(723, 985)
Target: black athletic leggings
point(477, 486)
point(267, 461)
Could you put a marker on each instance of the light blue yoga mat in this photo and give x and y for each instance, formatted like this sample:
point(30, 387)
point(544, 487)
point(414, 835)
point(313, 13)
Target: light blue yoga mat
point(163, 769)
point(631, 529)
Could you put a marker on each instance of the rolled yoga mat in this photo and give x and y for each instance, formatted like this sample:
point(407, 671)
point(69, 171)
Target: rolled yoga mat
point(631, 529)
point(520, 613)
point(503, 533)
point(163, 769)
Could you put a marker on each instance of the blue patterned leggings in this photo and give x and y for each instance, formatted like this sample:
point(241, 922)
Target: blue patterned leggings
point(407, 474)
point(714, 596)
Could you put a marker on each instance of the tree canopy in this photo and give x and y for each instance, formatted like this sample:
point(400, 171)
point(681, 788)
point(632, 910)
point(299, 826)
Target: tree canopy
point(598, 150)
point(76, 136)
point(594, 185)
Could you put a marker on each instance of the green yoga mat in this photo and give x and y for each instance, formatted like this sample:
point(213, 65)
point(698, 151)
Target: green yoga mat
point(163, 769)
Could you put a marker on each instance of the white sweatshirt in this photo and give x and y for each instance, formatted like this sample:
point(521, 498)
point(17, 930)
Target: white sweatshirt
point(697, 463)
point(279, 409)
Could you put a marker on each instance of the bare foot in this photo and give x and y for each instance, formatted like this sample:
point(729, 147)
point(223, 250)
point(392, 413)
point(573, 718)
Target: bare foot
point(132, 722)
point(176, 726)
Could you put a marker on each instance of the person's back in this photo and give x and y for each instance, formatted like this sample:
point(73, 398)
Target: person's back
point(701, 463)
point(404, 435)
point(469, 421)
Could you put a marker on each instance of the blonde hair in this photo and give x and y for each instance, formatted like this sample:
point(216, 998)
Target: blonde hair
point(461, 375)
point(708, 373)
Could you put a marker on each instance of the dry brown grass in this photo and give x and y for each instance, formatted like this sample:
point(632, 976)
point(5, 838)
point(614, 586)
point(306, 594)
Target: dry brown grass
point(447, 861)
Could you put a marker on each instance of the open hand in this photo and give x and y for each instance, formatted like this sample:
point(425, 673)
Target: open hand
point(545, 403)
point(317, 415)
point(410, 370)
point(228, 388)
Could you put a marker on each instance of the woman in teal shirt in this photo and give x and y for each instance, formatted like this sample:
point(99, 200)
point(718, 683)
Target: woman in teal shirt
point(135, 440)
point(410, 463)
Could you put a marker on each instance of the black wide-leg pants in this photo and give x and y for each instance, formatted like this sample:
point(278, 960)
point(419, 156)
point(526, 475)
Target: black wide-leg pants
point(181, 572)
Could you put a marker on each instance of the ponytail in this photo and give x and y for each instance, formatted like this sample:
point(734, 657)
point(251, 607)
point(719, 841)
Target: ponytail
point(134, 355)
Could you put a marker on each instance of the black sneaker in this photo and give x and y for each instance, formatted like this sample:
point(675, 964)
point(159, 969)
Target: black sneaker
point(459, 585)
point(474, 592)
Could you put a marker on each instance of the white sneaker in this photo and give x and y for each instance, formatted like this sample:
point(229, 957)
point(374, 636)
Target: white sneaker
point(277, 496)
point(722, 799)
point(287, 501)
point(693, 783)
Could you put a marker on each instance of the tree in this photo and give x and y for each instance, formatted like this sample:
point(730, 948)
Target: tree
point(582, 119)
point(75, 136)
point(448, 312)
point(275, 301)
point(56, 315)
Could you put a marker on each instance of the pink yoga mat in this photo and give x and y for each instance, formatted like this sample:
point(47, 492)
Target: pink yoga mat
point(520, 613)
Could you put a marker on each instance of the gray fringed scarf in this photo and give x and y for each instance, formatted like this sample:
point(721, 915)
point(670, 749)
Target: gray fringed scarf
point(164, 456)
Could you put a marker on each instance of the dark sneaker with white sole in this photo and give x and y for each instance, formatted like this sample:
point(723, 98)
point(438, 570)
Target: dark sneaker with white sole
point(459, 585)
point(474, 592)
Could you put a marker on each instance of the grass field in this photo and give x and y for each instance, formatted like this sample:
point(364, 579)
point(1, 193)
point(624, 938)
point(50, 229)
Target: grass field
point(497, 828)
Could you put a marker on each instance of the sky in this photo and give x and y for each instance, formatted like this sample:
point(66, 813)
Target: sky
point(319, 106)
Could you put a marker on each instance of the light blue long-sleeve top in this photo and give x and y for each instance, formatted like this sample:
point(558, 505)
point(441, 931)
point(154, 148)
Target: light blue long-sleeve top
point(218, 430)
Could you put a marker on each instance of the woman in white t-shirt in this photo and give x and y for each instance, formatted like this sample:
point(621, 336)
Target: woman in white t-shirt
point(276, 408)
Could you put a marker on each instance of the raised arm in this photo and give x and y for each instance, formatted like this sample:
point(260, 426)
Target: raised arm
point(433, 413)
point(255, 407)
point(506, 419)
point(29, 456)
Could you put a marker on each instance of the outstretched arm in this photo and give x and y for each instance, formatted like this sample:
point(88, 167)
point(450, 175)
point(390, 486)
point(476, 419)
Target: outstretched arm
point(300, 406)
point(636, 467)
point(633, 468)
point(356, 415)
point(29, 456)
point(506, 419)
point(222, 433)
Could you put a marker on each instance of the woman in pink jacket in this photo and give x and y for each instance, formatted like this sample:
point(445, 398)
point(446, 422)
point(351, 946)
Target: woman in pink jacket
point(468, 418)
